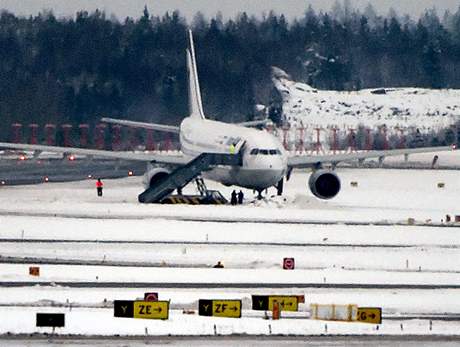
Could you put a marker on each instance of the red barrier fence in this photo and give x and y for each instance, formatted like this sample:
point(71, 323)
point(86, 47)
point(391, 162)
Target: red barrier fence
point(99, 136)
point(50, 134)
point(66, 129)
point(16, 130)
point(84, 131)
point(292, 138)
point(33, 135)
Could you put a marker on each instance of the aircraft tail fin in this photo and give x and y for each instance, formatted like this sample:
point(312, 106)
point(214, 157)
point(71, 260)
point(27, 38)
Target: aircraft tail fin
point(194, 93)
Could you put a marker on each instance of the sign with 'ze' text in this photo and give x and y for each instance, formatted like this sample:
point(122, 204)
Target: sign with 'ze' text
point(141, 309)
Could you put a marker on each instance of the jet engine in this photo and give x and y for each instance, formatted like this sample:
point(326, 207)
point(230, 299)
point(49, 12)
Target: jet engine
point(153, 176)
point(324, 184)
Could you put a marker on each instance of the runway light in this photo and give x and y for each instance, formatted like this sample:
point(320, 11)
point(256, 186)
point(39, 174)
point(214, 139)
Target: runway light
point(454, 146)
point(22, 157)
point(130, 173)
point(90, 176)
point(46, 179)
point(71, 157)
point(3, 183)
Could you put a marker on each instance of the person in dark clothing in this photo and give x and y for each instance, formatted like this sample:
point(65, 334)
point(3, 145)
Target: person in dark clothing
point(233, 199)
point(99, 186)
point(240, 197)
point(219, 265)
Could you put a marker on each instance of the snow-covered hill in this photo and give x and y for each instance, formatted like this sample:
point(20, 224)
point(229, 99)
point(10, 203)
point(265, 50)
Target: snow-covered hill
point(424, 109)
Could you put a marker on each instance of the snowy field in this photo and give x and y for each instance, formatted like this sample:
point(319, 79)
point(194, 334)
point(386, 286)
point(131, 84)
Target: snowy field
point(425, 109)
point(358, 248)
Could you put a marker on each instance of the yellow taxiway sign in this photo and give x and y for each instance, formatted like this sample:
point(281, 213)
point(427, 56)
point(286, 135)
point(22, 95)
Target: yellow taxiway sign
point(220, 308)
point(369, 315)
point(151, 309)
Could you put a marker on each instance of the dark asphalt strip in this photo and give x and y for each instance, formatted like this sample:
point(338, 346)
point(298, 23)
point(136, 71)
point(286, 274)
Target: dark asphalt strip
point(224, 243)
point(208, 219)
point(231, 340)
point(187, 285)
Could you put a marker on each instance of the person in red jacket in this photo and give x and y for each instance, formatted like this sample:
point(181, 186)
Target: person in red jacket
point(99, 186)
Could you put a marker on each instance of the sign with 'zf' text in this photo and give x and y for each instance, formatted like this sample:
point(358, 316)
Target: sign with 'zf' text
point(220, 308)
point(265, 302)
point(369, 315)
point(141, 309)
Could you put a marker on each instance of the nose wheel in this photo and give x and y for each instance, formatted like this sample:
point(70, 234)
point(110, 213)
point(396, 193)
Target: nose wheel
point(279, 187)
point(259, 195)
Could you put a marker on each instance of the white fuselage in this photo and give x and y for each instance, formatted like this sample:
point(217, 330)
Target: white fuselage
point(264, 158)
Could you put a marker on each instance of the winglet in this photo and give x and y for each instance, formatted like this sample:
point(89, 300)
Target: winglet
point(194, 94)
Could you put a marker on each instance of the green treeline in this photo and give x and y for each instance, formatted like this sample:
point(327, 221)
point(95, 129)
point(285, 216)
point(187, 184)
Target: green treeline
point(78, 69)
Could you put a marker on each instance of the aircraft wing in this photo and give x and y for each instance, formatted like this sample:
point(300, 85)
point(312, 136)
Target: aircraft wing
point(137, 156)
point(254, 123)
point(306, 161)
point(133, 124)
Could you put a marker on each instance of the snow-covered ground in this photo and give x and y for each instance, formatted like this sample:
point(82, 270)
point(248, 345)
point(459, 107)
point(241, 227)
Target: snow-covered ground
point(378, 198)
point(101, 322)
point(350, 239)
point(425, 109)
point(405, 114)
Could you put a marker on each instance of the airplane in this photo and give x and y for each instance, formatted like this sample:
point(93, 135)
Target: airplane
point(264, 161)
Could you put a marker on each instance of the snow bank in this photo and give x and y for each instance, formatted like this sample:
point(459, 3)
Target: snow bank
point(425, 109)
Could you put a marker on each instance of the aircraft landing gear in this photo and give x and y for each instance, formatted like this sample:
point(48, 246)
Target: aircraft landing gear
point(279, 187)
point(259, 195)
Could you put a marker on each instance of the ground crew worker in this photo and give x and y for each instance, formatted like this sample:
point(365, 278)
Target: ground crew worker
point(233, 199)
point(99, 186)
point(240, 197)
point(219, 265)
point(232, 149)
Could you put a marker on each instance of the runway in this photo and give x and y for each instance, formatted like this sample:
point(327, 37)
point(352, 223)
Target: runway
point(229, 285)
point(234, 340)
point(248, 220)
point(57, 169)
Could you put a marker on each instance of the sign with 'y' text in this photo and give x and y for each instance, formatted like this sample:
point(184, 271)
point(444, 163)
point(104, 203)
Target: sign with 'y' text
point(285, 302)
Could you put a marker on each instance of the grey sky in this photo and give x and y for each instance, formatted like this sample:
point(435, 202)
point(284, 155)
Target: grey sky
point(229, 8)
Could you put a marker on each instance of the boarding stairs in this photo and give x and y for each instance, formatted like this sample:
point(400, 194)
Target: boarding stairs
point(183, 175)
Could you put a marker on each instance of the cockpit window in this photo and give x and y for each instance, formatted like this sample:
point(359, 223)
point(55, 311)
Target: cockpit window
point(257, 151)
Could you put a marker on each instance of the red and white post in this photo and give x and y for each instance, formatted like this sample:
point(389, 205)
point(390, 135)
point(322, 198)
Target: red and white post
point(50, 134)
point(33, 138)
